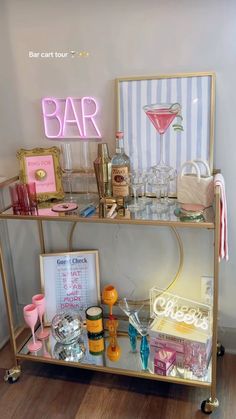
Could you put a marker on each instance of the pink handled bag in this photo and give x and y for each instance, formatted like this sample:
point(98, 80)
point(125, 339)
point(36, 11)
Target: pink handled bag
point(195, 188)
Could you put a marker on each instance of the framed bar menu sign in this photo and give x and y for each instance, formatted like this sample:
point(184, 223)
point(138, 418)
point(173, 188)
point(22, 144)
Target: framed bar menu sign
point(70, 281)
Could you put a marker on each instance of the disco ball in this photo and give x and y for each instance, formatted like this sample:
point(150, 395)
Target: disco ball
point(66, 327)
point(72, 352)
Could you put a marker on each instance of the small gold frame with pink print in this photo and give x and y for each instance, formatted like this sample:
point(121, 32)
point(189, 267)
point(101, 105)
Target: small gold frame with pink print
point(42, 166)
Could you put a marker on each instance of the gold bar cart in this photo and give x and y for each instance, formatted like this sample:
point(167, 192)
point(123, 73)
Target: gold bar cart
point(19, 337)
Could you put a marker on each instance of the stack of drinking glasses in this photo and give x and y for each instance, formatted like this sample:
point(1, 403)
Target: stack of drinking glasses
point(24, 198)
point(153, 183)
point(135, 180)
point(159, 182)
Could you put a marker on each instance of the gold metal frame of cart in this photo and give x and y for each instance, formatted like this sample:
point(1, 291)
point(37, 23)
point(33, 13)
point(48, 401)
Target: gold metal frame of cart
point(14, 373)
point(173, 76)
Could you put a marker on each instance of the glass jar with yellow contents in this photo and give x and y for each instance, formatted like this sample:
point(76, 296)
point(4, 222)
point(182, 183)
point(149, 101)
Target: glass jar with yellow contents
point(94, 319)
point(96, 343)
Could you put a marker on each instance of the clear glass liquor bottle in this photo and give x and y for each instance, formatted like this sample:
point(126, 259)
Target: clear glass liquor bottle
point(120, 168)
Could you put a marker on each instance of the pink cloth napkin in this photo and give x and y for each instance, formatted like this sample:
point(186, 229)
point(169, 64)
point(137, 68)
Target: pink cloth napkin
point(223, 250)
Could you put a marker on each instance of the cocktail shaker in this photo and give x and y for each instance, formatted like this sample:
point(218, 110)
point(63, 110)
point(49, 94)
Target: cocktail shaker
point(102, 168)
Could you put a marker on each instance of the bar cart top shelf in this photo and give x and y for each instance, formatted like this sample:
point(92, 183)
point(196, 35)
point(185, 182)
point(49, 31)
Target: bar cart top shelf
point(145, 217)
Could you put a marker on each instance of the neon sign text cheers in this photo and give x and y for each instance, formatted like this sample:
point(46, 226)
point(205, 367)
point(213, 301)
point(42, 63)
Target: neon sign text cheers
point(70, 117)
point(169, 308)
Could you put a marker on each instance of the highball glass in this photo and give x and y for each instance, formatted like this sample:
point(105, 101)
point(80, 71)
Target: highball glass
point(135, 181)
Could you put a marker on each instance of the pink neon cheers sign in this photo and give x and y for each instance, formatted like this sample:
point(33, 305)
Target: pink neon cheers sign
point(70, 117)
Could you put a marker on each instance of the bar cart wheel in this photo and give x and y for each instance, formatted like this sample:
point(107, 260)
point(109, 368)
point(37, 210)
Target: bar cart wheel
point(12, 375)
point(209, 405)
point(220, 349)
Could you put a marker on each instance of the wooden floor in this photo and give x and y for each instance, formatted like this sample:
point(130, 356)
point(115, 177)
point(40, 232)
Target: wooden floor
point(52, 392)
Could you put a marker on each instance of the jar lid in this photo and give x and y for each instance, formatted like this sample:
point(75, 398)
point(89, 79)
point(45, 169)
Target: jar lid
point(93, 313)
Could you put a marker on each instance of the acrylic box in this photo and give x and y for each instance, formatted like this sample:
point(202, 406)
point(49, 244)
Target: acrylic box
point(164, 358)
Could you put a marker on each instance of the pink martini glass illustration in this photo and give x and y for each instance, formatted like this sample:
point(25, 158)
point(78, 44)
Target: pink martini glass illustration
point(31, 316)
point(40, 302)
point(161, 116)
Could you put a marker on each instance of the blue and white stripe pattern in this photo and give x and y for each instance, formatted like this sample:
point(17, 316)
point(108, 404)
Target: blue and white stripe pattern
point(142, 142)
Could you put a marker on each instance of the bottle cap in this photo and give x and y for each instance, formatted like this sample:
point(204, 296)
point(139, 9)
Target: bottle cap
point(119, 134)
point(120, 201)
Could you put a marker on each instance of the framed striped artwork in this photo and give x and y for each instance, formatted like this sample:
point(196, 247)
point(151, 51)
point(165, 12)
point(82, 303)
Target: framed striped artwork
point(195, 92)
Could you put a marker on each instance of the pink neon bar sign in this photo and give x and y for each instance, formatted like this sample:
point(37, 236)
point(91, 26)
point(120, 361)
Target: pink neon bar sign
point(70, 117)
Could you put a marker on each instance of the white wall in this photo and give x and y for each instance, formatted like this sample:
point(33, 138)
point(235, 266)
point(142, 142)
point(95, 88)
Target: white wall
point(123, 39)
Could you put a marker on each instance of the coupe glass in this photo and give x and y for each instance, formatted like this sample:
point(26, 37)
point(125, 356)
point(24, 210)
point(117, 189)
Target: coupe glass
point(31, 316)
point(40, 302)
point(161, 116)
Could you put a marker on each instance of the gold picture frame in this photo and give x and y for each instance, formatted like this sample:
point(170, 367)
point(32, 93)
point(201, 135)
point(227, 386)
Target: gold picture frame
point(42, 166)
point(70, 281)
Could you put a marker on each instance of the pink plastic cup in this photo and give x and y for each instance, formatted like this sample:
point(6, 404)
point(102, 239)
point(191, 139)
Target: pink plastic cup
point(31, 316)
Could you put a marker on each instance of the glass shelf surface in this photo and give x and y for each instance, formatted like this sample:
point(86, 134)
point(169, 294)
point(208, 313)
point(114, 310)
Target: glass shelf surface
point(146, 216)
point(129, 362)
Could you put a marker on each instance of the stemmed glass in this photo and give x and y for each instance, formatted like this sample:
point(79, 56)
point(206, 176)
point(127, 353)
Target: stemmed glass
point(67, 166)
point(40, 302)
point(167, 178)
point(31, 316)
point(156, 185)
point(131, 309)
point(135, 181)
point(141, 320)
point(144, 198)
point(161, 116)
point(160, 182)
point(132, 332)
